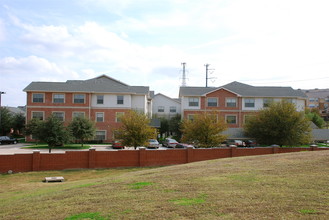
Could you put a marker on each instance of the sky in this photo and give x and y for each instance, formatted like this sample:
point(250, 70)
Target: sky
point(144, 42)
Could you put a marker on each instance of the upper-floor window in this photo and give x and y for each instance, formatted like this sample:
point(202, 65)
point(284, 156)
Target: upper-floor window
point(193, 101)
point(161, 108)
point(58, 98)
point(212, 102)
point(78, 114)
point(39, 115)
point(249, 103)
point(172, 109)
point(79, 98)
point(100, 116)
point(38, 97)
point(230, 102)
point(267, 102)
point(59, 115)
point(313, 99)
point(100, 99)
point(326, 99)
point(120, 99)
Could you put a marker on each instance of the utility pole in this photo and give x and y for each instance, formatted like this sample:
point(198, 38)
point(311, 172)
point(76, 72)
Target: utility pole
point(184, 75)
point(207, 65)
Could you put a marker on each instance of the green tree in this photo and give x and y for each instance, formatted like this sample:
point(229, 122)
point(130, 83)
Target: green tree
point(174, 126)
point(204, 130)
point(315, 117)
point(82, 129)
point(18, 123)
point(6, 121)
point(135, 129)
point(280, 124)
point(51, 131)
point(164, 126)
point(32, 127)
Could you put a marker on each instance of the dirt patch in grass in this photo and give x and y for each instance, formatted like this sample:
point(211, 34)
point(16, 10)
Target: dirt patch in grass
point(281, 186)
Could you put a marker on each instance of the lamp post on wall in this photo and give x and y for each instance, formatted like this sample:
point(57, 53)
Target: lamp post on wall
point(1, 111)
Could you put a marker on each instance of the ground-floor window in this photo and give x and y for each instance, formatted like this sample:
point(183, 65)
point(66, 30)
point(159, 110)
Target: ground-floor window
point(231, 119)
point(100, 135)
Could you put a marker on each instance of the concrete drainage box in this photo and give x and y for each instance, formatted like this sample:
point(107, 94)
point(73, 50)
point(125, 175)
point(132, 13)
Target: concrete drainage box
point(54, 179)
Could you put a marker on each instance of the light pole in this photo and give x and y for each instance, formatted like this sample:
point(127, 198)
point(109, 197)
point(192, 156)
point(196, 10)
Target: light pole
point(1, 111)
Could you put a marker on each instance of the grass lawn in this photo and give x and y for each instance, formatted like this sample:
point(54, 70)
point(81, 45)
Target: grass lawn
point(280, 186)
point(66, 146)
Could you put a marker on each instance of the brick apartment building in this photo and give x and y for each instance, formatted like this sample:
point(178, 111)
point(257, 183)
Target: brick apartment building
point(235, 102)
point(101, 99)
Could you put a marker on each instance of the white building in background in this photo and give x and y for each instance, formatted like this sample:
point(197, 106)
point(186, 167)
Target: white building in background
point(164, 106)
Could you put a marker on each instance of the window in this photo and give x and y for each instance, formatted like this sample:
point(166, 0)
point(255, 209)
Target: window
point(78, 114)
point(59, 115)
point(99, 116)
point(118, 116)
point(231, 102)
point(212, 102)
point(100, 135)
point(231, 119)
point(39, 115)
point(172, 109)
point(190, 117)
point(313, 99)
point(58, 98)
point(193, 101)
point(37, 98)
point(161, 108)
point(267, 102)
point(327, 100)
point(249, 103)
point(100, 99)
point(79, 98)
point(120, 99)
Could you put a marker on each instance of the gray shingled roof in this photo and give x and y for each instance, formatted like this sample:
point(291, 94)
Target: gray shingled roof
point(101, 84)
point(320, 134)
point(244, 90)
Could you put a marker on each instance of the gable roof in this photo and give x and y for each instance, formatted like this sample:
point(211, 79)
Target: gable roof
point(101, 84)
point(244, 90)
point(175, 100)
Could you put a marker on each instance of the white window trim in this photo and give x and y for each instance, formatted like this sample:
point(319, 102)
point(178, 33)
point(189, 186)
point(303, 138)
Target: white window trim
point(161, 107)
point(193, 106)
point(43, 114)
point(249, 102)
point(84, 98)
point(236, 119)
point(60, 112)
point(58, 94)
point(171, 108)
point(84, 114)
point(44, 97)
point(105, 134)
point(123, 100)
point(236, 102)
point(217, 103)
point(99, 113)
point(97, 100)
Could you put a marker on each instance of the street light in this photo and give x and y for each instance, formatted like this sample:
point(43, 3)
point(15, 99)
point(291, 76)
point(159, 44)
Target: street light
point(1, 111)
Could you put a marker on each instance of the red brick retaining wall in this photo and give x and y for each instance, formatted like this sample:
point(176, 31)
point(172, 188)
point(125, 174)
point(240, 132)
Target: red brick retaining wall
point(127, 158)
